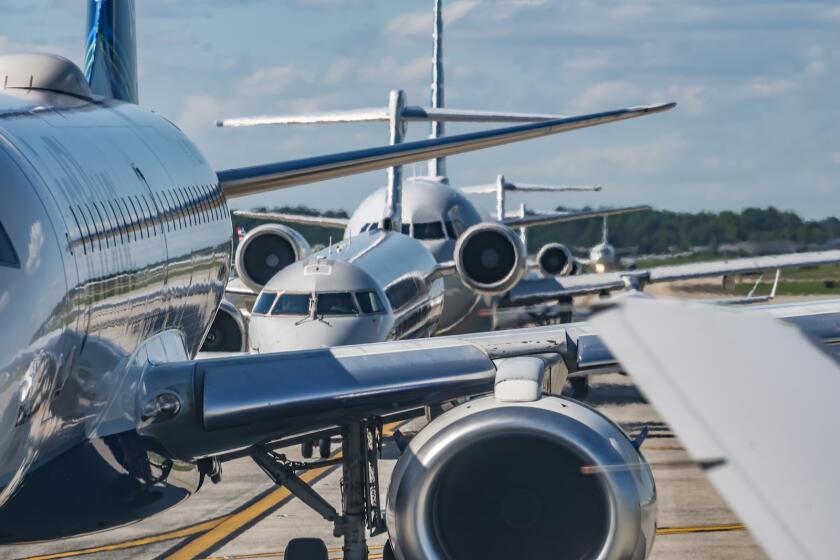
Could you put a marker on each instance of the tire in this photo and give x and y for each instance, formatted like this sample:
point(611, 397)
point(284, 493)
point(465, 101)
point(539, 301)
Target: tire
point(306, 449)
point(306, 549)
point(324, 447)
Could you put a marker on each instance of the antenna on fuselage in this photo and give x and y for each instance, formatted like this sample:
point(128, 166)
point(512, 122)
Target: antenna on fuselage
point(437, 166)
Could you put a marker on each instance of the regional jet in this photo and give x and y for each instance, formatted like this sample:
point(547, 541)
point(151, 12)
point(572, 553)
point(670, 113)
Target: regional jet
point(115, 244)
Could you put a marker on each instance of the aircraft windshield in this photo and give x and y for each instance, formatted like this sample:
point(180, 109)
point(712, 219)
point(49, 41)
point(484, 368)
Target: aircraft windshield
point(428, 230)
point(292, 304)
point(8, 257)
point(263, 303)
point(336, 304)
point(369, 302)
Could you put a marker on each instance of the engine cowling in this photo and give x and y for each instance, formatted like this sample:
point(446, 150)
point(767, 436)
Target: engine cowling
point(554, 259)
point(504, 480)
point(228, 332)
point(490, 258)
point(265, 251)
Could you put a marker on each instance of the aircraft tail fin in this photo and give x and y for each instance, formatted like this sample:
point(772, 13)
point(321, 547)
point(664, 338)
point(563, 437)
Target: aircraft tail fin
point(111, 49)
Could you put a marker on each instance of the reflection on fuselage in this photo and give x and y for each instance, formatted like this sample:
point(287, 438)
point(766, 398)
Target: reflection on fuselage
point(122, 233)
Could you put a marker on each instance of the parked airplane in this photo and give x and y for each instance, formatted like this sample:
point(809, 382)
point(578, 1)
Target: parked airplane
point(428, 209)
point(766, 443)
point(114, 253)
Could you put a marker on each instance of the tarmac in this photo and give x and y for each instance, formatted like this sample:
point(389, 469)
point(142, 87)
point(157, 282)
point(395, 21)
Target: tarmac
point(247, 517)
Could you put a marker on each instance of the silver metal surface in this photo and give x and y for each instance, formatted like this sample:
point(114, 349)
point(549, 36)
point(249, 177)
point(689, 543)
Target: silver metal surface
point(611, 517)
point(262, 178)
point(396, 132)
point(532, 218)
point(323, 221)
point(437, 166)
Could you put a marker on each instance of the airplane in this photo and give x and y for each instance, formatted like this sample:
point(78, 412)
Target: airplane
point(760, 423)
point(114, 254)
point(427, 209)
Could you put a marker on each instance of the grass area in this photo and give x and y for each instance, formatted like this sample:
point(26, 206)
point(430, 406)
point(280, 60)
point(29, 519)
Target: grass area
point(813, 281)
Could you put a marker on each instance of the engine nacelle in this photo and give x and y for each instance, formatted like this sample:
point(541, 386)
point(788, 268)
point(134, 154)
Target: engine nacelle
point(228, 332)
point(554, 259)
point(504, 480)
point(265, 250)
point(490, 258)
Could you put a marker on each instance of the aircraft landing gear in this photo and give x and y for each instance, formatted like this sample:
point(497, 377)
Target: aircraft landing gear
point(361, 446)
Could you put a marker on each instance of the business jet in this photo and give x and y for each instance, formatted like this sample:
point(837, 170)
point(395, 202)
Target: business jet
point(427, 209)
point(114, 254)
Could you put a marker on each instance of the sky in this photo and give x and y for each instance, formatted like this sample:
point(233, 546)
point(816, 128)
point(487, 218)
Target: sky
point(757, 82)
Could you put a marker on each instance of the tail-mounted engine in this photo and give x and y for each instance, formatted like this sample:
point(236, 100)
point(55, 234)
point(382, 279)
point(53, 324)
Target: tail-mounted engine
point(228, 332)
point(490, 258)
point(554, 259)
point(265, 250)
point(491, 479)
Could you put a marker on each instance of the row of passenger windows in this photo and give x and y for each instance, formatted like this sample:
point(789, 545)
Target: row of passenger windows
point(427, 230)
point(327, 303)
point(108, 223)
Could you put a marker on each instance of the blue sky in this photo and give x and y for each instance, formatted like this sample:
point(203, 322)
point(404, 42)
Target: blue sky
point(757, 82)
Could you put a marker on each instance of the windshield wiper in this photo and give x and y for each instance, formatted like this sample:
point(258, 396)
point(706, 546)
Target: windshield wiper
point(313, 312)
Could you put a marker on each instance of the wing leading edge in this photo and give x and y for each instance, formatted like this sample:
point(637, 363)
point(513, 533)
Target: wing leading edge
point(261, 178)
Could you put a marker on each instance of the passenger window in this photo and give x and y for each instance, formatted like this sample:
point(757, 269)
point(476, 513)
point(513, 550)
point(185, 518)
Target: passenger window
point(369, 302)
point(8, 256)
point(291, 304)
point(336, 304)
point(263, 304)
point(429, 230)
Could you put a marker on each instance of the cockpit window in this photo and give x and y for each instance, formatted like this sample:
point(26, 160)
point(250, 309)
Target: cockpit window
point(8, 257)
point(336, 304)
point(406, 229)
point(369, 302)
point(263, 303)
point(428, 230)
point(365, 227)
point(450, 230)
point(291, 304)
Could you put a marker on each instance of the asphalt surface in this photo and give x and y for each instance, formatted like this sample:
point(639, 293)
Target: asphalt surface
point(245, 516)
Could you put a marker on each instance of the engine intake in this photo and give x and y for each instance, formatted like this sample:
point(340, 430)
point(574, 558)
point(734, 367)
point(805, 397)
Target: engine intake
point(504, 480)
point(490, 258)
point(228, 332)
point(554, 259)
point(265, 251)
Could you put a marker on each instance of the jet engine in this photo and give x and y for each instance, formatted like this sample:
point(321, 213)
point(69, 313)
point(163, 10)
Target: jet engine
point(228, 332)
point(554, 259)
point(265, 250)
point(491, 479)
point(490, 258)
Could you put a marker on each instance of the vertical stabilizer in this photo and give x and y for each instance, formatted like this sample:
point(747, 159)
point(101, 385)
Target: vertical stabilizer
point(111, 49)
point(437, 166)
point(393, 194)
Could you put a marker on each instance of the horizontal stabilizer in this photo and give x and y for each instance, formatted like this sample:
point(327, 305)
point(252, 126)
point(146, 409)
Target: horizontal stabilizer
point(380, 114)
point(262, 178)
point(322, 221)
point(535, 218)
point(492, 188)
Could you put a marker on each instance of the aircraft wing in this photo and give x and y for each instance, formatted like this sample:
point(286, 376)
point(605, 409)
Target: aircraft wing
point(261, 178)
point(753, 397)
point(323, 221)
point(545, 289)
point(546, 218)
point(492, 188)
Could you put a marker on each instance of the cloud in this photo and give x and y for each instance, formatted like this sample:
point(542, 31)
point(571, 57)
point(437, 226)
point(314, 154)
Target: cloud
point(835, 157)
point(412, 23)
point(271, 80)
point(603, 96)
point(199, 113)
point(36, 243)
point(635, 158)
